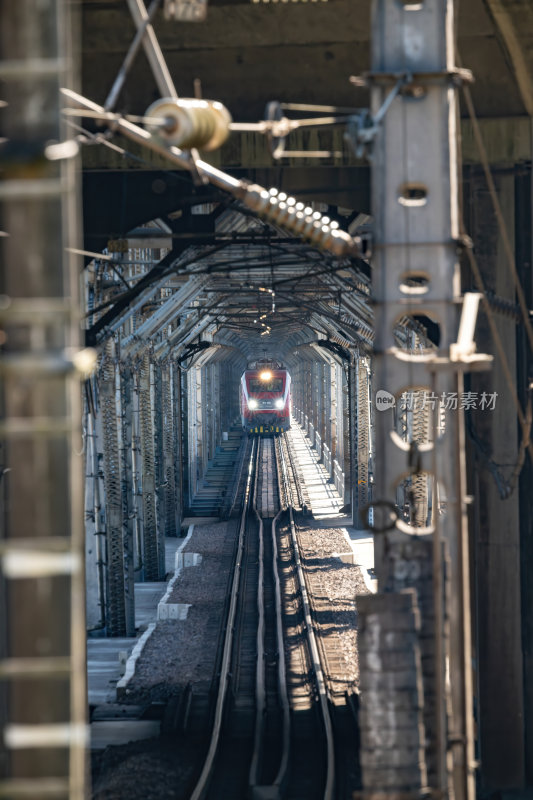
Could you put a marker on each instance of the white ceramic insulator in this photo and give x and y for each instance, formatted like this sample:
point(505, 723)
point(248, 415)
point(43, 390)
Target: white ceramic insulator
point(190, 123)
point(302, 221)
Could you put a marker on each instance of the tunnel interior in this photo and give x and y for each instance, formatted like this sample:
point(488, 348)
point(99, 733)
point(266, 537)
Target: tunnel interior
point(175, 325)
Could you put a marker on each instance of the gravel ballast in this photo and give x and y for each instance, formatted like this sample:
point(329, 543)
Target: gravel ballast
point(184, 651)
point(333, 585)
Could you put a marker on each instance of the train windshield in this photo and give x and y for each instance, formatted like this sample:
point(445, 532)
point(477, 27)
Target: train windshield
point(272, 385)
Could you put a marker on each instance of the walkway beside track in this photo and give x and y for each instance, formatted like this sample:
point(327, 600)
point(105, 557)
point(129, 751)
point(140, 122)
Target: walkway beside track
point(106, 664)
point(325, 504)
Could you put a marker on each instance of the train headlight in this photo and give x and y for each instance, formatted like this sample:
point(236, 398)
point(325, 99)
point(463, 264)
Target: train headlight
point(266, 375)
point(279, 403)
point(252, 403)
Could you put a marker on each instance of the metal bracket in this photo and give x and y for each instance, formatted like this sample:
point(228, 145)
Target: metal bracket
point(362, 128)
point(455, 76)
point(389, 516)
point(277, 127)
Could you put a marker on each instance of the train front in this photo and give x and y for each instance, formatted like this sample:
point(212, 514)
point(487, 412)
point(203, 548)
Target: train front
point(266, 401)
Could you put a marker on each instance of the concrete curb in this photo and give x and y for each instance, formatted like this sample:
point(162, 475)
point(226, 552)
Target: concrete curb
point(177, 572)
point(139, 647)
point(132, 660)
point(358, 546)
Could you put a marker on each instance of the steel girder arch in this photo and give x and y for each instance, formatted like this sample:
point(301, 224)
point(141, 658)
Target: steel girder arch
point(161, 320)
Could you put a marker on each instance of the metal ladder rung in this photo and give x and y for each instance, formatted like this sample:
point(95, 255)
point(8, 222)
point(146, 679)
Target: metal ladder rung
point(32, 189)
point(53, 667)
point(52, 544)
point(61, 734)
point(32, 67)
point(36, 426)
point(35, 309)
point(40, 564)
point(34, 787)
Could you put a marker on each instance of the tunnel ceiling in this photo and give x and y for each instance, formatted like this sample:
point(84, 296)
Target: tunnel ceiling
point(245, 277)
point(247, 53)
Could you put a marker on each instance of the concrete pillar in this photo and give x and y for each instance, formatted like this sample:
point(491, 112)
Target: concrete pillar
point(391, 721)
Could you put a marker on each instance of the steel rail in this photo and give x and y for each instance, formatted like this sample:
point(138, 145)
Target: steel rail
point(203, 781)
point(260, 719)
point(297, 483)
point(282, 672)
point(313, 648)
point(260, 688)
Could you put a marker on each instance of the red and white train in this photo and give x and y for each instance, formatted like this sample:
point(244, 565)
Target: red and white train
point(265, 395)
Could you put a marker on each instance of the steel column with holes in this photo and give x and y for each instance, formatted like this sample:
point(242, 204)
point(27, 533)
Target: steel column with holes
point(416, 272)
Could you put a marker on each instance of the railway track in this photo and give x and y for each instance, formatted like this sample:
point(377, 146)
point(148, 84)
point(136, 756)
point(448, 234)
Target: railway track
point(272, 733)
